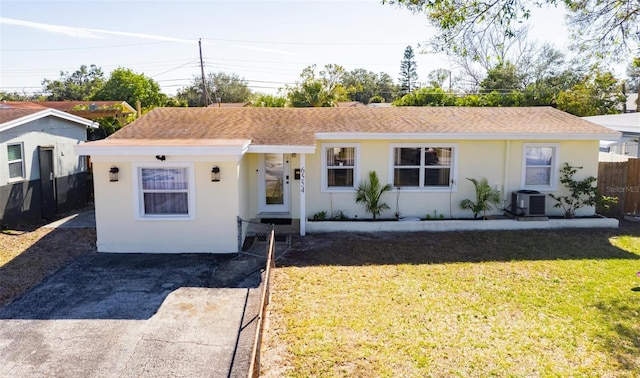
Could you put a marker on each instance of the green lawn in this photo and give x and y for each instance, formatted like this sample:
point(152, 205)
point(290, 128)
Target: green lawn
point(533, 303)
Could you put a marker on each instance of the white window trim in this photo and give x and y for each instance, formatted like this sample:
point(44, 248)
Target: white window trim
point(453, 184)
point(553, 179)
point(138, 203)
point(356, 168)
point(24, 174)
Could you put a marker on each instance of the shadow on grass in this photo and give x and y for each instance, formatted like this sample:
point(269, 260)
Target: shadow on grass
point(623, 339)
point(352, 249)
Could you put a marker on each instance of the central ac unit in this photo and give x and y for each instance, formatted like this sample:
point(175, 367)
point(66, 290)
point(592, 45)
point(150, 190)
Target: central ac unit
point(528, 203)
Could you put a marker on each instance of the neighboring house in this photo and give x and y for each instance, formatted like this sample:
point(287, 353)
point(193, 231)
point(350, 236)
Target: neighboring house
point(40, 174)
point(119, 110)
point(618, 149)
point(184, 175)
point(229, 105)
point(350, 104)
point(631, 105)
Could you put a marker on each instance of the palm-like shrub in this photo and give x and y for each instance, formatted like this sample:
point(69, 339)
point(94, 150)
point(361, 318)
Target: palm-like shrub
point(486, 198)
point(369, 192)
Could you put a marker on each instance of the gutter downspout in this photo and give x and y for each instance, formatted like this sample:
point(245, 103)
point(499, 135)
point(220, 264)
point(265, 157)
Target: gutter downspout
point(507, 153)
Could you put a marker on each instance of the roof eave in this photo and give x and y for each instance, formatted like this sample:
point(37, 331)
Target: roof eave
point(45, 113)
point(467, 136)
point(97, 149)
point(285, 149)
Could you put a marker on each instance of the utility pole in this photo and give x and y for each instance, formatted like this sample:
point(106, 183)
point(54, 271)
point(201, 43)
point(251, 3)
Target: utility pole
point(205, 94)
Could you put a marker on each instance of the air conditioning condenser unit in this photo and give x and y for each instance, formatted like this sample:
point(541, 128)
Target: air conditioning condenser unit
point(527, 203)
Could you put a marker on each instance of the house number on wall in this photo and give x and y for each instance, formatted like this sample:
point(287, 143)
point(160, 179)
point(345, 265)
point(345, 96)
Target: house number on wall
point(302, 180)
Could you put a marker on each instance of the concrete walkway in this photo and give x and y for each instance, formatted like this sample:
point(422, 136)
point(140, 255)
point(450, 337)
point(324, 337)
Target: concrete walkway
point(82, 219)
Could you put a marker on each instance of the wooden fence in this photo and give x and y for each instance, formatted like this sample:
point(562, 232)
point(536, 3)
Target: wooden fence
point(254, 368)
point(620, 180)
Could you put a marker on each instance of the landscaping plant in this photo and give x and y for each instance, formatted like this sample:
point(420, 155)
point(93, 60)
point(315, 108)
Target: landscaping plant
point(486, 197)
point(369, 193)
point(581, 192)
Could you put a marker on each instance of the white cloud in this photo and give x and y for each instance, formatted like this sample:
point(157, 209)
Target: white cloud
point(56, 29)
point(101, 34)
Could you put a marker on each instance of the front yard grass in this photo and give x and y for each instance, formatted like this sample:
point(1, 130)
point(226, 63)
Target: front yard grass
point(527, 303)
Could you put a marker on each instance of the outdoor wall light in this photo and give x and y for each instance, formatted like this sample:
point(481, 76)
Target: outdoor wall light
point(215, 174)
point(113, 173)
point(161, 157)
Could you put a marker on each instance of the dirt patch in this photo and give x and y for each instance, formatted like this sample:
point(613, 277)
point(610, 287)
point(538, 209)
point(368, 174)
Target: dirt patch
point(28, 256)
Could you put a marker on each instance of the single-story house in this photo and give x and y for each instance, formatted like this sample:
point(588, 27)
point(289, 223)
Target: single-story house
point(176, 179)
point(628, 125)
point(40, 173)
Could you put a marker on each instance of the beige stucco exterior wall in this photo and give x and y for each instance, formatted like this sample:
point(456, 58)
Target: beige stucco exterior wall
point(213, 228)
point(476, 159)
point(576, 153)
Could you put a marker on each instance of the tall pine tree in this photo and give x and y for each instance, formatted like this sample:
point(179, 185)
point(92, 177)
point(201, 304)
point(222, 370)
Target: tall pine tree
point(408, 72)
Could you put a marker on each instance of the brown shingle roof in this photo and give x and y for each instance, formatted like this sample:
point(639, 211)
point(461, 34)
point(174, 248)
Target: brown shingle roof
point(298, 126)
point(12, 110)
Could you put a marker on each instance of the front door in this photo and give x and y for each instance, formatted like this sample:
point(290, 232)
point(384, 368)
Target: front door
point(47, 188)
point(274, 183)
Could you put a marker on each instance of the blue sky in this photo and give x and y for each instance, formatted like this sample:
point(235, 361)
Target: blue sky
point(266, 42)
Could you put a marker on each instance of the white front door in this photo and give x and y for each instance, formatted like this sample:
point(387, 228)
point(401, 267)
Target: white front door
point(274, 183)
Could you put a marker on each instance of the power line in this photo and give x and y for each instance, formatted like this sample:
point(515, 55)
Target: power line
point(308, 43)
point(173, 69)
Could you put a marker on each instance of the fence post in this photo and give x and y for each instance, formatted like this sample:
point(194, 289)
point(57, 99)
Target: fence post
point(239, 221)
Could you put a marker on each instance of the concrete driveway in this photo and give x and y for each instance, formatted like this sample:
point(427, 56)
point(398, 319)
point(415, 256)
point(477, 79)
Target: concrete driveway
point(112, 315)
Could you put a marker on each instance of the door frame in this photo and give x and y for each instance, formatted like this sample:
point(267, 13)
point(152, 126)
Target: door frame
point(285, 207)
point(48, 195)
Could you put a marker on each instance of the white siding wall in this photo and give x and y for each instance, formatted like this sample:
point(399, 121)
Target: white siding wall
point(48, 131)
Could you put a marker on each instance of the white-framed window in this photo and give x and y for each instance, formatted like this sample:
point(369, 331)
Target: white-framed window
point(425, 166)
point(540, 166)
point(165, 192)
point(340, 166)
point(15, 154)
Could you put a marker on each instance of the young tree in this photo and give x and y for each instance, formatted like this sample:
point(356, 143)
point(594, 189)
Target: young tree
point(370, 192)
point(126, 85)
point(79, 85)
point(486, 198)
point(408, 71)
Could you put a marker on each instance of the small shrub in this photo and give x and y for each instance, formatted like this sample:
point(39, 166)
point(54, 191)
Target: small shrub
point(339, 215)
point(370, 192)
point(319, 216)
point(581, 192)
point(486, 198)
